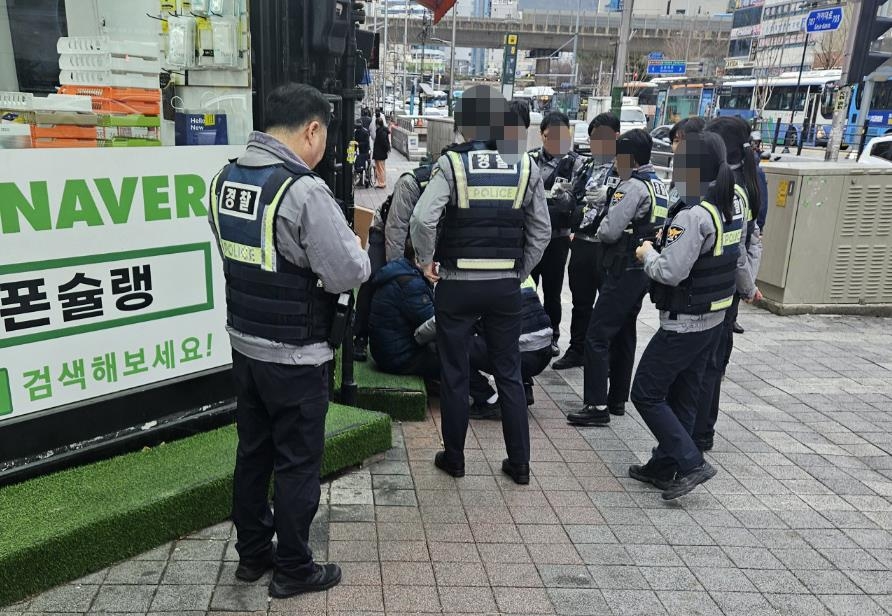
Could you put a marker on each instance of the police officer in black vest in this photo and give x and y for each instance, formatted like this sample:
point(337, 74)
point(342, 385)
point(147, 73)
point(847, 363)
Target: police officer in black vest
point(558, 164)
point(635, 212)
point(287, 255)
point(494, 228)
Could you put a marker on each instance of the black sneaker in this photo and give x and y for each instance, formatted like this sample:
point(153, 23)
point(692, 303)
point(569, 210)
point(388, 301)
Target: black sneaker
point(520, 473)
point(589, 415)
point(360, 349)
point(443, 464)
point(645, 474)
point(571, 359)
point(682, 484)
point(617, 409)
point(485, 410)
point(736, 328)
point(323, 577)
point(252, 569)
point(555, 349)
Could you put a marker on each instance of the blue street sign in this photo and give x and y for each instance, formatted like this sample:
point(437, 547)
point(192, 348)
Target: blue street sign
point(655, 55)
point(666, 67)
point(824, 20)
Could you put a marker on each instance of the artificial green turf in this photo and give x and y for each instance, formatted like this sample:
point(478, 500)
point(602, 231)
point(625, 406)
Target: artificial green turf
point(60, 527)
point(402, 397)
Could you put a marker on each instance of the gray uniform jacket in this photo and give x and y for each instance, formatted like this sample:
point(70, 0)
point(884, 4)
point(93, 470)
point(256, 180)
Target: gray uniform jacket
point(431, 208)
point(673, 265)
point(406, 194)
point(748, 263)
point(548, 165)
point(631, 201)
point(311, 232)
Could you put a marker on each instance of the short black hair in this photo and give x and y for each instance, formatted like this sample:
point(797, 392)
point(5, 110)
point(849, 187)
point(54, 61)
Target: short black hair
point(521, 109)
point(554, 118)
point(293, 105)
point(694, 124)
point(637, 143)
point(604, 119)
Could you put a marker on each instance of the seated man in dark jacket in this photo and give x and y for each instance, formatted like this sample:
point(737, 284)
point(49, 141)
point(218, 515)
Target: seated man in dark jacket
point(535, 355)
point(402, 301)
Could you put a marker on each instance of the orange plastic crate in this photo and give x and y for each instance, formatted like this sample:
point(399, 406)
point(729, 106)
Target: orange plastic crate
point(63, 131)
point(65, 143)
point(119, 100)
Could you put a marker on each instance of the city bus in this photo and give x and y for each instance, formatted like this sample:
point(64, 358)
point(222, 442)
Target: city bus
point(880, 114)
point(812, 109)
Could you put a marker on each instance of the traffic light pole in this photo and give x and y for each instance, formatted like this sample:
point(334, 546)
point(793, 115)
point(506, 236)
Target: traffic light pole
point(622, 52)
point(841, 99)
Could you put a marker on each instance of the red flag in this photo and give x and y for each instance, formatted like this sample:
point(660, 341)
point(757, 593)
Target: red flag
point(439, 7)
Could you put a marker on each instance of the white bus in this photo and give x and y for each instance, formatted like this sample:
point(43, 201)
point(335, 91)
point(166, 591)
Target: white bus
point(811, 110)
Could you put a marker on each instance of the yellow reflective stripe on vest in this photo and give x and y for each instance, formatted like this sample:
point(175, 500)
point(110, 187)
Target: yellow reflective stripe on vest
point(524, 183)
point(461, 181)
point(721, 304)
point(719, 227)
point(529, 283)
point(214, 211)
point(485, 264)
point(268, 241)
point(656, 211)
point(730, 238)
point(241, 252)
point(740, 191)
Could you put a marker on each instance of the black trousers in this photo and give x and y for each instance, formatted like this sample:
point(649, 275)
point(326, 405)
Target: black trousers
point(551, 271)
point(532, 363)
point(585, 272)
point(378, 259)
point(666, 394)
point(611, 338)
point(425, 363)
point(459, 304)
point(280, 418)
point(704, 429)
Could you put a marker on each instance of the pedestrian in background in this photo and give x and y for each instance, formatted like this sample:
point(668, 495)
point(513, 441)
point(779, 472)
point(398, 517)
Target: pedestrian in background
point(380, 152)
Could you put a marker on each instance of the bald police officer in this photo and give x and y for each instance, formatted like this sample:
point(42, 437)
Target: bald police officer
point(287, 255)
point(495, 227)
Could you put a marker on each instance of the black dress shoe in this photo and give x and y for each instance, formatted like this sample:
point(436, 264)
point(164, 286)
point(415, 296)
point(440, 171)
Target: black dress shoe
point(571, 359)
point(323, 577)
point(443, 464)
point(520, 473)
point(616, 409)
point(555, 349)
point(360, 349)
point(485, 410)
point(589, 415)
point(736, 328)
point(252, 569)
point(645, 474)
point(682, 484)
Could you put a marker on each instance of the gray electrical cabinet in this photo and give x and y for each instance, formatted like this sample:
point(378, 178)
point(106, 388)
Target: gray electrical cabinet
point(827, 245)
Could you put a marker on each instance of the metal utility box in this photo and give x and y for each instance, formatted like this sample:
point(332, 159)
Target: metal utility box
point(827, 245)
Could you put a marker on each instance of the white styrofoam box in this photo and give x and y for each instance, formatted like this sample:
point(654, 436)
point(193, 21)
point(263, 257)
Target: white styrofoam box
point(106, 45)
point(16, 100)
point(63, 102)
point(15, 136)
point(108, 62)
point(108, 78)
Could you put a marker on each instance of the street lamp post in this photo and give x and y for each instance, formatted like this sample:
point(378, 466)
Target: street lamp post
point(449, 96)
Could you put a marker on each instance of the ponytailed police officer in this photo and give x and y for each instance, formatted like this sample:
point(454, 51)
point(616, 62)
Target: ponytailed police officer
point(590, 187)
point(288, 254)
point(494, 227)
point(387, 242)
point(636, 211)
point(557, 161)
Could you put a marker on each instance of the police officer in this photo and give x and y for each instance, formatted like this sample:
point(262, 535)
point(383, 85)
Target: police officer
point(693, 272)
point(636, 211)
point(557, 161)
point(494, 229)
point(590, 187)
point(387, 242)
point(287, 255)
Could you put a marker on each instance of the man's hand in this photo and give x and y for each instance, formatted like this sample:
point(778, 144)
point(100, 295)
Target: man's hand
point(430, 272)
point(757, 296)
point(642, 250)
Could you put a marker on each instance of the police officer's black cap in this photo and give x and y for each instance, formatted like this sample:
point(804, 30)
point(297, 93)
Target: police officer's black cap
point(637, 143)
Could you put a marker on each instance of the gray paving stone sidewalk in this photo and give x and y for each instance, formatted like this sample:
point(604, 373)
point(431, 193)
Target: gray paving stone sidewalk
point(797, 522)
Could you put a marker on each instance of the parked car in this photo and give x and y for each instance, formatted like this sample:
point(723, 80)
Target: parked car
point(632, 117)
point(878, 151)
point(661, 153)
point(580, 137)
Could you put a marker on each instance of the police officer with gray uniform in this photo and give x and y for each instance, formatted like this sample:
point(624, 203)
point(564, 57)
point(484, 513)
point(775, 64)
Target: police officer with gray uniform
point(494, 228)
point(288, 255)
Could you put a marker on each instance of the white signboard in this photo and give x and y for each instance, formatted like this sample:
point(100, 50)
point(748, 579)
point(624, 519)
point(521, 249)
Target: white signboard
point(109, 276)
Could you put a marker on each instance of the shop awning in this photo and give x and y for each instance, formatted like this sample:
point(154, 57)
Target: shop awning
point(439, 7)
